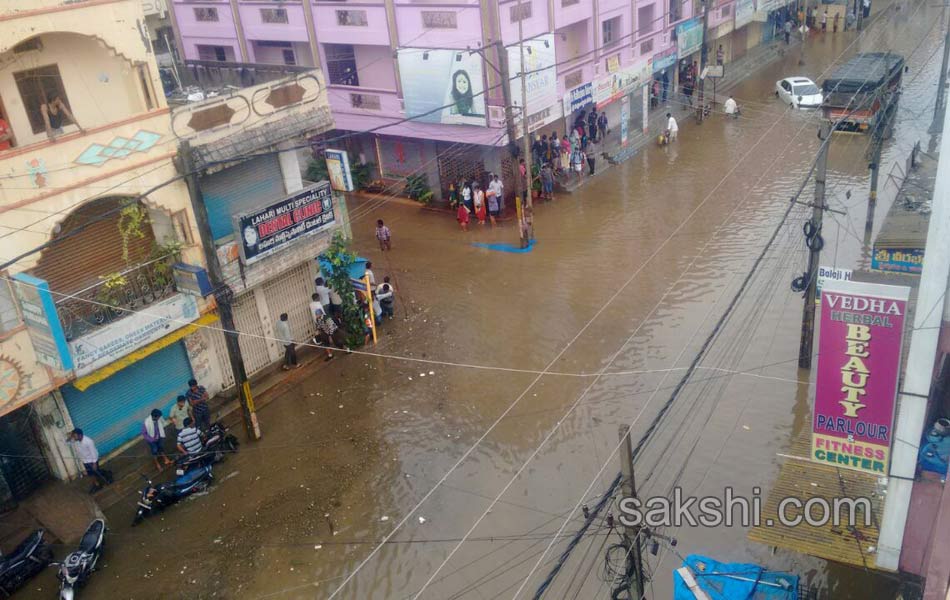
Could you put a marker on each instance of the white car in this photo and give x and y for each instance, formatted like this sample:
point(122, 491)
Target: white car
point(800, 92)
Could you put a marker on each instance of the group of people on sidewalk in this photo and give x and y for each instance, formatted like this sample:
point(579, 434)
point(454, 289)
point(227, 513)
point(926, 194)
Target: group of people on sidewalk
point(474, 203)
point(190, 416)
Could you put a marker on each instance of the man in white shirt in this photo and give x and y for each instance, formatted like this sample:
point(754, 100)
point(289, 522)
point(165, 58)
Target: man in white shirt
point(671, 126)
point(369, 273)
point(499, 189)
point(283, 333)
point(323, 291)
point(316, 308)
point(88, 455)
point(731, 108)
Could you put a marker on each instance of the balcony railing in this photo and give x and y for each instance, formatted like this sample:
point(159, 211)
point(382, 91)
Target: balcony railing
point(115, 297)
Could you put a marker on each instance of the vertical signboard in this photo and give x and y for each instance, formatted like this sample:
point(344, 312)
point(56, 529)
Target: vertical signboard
point(42, 322)
point(859, 355)
point(540, 80)
point(338, 170)
point(689, 37)
point(624, 119)
point(646, 109)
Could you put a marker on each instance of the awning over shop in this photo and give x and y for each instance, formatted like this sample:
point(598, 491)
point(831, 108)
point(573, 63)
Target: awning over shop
point(114, 367)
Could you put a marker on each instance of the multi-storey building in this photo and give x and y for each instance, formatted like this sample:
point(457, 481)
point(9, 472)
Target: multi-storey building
point(387, 61)
point(104, 309)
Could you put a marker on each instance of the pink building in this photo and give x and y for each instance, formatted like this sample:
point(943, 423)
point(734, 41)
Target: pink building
point(391, 64)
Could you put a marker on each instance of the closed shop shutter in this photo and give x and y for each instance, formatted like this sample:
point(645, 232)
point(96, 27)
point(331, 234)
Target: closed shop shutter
point(740, 39)
point(219, 350)
point(241, 188)
point(253, 345)
point(23, 468)
point(112, 411)
point(290, 293)
point(77, 262)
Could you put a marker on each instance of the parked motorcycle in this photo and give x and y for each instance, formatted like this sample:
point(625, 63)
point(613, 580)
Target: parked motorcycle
point(158, 497)
point(29, 558)
point(79, 564)
point(219, 443)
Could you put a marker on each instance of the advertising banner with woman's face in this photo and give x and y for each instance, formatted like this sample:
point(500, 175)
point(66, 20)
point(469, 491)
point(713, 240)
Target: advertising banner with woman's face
point(443, 86)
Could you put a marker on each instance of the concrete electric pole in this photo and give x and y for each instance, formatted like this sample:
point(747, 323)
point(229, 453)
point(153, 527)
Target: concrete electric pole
point(703, 56)
point(814, 246)
point(223, 294)
point(526, 141)
point(631, 536)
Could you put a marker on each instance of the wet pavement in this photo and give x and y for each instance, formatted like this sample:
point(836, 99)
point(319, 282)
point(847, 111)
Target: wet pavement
point(628, 278)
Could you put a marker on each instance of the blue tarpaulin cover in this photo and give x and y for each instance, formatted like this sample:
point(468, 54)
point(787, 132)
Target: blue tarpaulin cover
point(357, 269)
point(734, 581)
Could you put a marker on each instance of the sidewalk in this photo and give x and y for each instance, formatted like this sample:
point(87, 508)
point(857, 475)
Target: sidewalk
point(64, 508)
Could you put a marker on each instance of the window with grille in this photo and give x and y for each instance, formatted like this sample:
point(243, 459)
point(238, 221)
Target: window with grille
point(351, 18)
point(569, 2)
point(37, 87)
point(274, 15)
point(212, 53)
point(645, 19)
point(206, 14)
point(646, 47)
point(610, 31)
point(365, 101)
point(439, 19)
point(572, 80)
point(520, 12)
point(341, 64)
point(726, 11)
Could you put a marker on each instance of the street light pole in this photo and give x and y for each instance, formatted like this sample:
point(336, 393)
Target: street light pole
point(703, 55)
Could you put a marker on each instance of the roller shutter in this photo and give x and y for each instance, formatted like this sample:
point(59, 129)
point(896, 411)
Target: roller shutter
point(290, 293)
point(112, 411)
point(240, 188)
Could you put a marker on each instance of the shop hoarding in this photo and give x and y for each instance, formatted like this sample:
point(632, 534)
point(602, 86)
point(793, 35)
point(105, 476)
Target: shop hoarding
point(42, 321)
point(270, 229)
point(689, 37)
point(338, 170)
point(578, 98)
point(745, 11)
point(540, 81)
point(859, 356)
point(898, 260)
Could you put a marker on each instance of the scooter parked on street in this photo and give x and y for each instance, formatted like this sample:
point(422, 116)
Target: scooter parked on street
point(157, 497)
point(76, 568)
point(29, 558)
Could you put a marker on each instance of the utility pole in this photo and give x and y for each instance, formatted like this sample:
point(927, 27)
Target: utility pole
point(859, 13)
point(874, 164)
point(223, 294)
point(703, 54)
point(526, 141)
point(814, 246)
point(631, 535)
point(504, 73)
point(941, 86)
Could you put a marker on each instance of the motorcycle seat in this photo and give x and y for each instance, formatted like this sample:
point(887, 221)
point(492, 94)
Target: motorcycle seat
point(91, 538)
point(25, 548)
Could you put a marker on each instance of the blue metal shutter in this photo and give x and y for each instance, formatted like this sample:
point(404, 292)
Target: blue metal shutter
point(111, 412)
point(244, 187)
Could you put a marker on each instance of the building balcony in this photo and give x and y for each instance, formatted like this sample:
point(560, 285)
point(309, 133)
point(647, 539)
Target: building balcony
point(252, 117)
point(341, 23)
point(273, 21)
point(363, 100)
point(116, 296)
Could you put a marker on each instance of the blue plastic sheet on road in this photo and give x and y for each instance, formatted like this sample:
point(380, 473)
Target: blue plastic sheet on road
point(734, 581)
point(506, 247)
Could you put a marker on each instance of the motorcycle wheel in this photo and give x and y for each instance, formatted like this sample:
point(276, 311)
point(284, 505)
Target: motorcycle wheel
point(138, 517)
point(200, 487)
point(232, 443)
point(44, 555)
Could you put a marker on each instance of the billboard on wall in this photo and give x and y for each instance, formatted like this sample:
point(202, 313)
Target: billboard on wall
point(859, 356)
point(899, 260)
point(578, 98)
point(689, 37)
point(270, 229)
point(442, 86)
point(541, 79)
point(745, 10)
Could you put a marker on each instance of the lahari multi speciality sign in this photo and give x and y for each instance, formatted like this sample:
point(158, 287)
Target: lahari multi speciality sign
point(269, 229)
point(859, 355)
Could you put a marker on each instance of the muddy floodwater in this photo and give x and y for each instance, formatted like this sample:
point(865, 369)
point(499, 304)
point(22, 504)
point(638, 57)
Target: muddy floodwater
point(501, 425)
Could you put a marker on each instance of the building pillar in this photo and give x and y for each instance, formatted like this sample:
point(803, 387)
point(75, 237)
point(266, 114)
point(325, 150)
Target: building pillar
point(290, 169)
point(54, 424)
point(239, 30)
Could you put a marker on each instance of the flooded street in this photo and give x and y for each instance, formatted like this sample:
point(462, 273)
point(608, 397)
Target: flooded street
point(495, 411)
